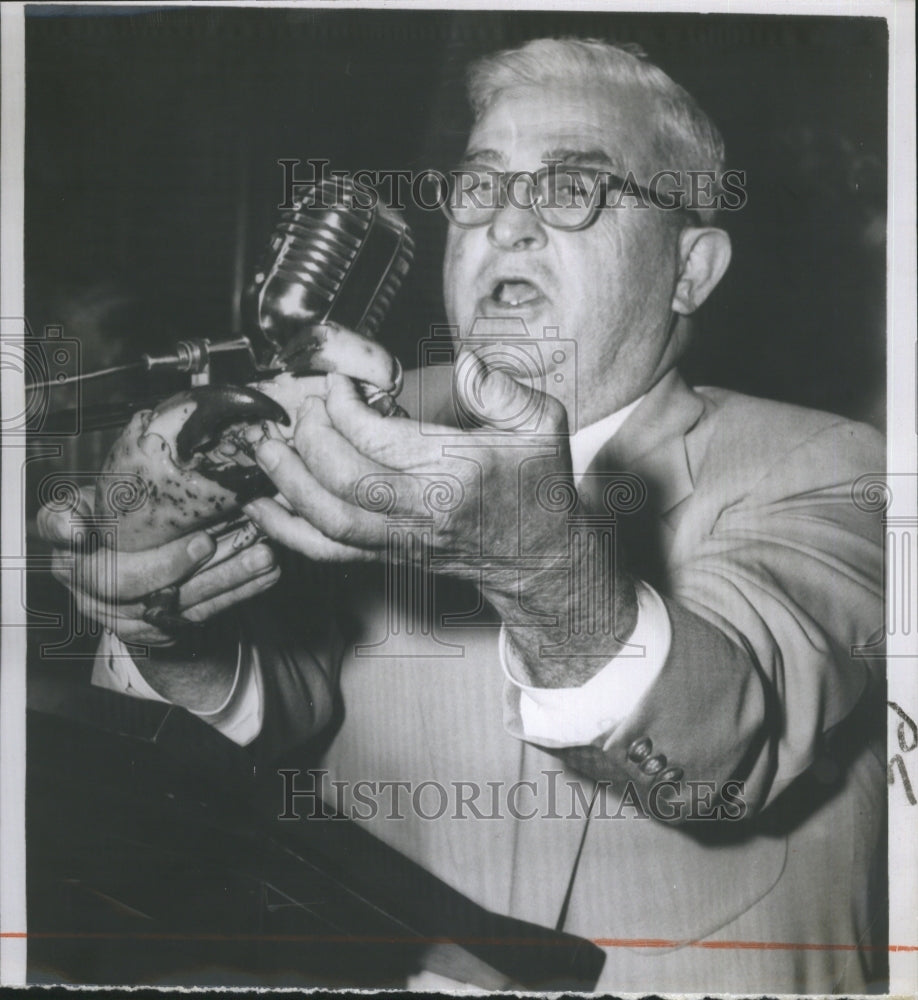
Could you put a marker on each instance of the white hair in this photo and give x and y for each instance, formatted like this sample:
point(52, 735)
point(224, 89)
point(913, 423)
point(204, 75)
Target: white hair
point(685, 138)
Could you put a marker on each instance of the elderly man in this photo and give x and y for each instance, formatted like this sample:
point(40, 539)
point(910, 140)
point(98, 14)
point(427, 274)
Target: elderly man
point(654, 724)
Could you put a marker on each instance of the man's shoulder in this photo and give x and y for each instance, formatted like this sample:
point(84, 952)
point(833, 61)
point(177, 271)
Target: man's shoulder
point(756, 439)
point(795, 423)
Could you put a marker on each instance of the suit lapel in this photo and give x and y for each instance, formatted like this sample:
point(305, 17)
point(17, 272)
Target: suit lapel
point(651, 443)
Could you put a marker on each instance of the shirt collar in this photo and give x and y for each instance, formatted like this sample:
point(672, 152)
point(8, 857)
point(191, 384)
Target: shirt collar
point(585, 444)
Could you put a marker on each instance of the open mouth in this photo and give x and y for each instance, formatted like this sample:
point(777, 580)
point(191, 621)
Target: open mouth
point(515, 292)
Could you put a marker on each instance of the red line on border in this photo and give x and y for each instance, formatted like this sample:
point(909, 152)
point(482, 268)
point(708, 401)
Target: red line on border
point(384, 939)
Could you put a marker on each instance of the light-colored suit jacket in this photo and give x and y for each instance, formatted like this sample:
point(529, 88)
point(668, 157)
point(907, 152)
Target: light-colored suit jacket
point(771, 575)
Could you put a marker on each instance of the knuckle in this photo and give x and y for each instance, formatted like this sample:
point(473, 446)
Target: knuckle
point(342, 530)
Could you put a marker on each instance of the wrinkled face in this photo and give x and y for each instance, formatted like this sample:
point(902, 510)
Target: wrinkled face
point(608, 287)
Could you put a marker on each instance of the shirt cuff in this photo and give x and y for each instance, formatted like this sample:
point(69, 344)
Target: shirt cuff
point(240, 716)
point(579, 716)
point(114, 669)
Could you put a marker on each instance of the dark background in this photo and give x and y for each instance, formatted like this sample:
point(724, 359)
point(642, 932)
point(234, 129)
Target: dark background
point(152, 179)
point(152, 140)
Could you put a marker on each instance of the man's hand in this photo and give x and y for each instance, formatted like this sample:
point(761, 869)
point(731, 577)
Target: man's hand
point(353, 470)
point(210, 576)
point(489, 496)
point(109, 586)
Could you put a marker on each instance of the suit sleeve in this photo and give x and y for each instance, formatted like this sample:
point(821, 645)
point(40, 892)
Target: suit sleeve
point(295, 636)
point(765, 612)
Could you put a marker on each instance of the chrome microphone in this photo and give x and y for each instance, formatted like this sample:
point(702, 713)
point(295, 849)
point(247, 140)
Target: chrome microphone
point(330, 260)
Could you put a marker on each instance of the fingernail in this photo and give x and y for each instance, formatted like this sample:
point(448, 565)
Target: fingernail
point(269, 455)
point(199, 547)
point(257, 560)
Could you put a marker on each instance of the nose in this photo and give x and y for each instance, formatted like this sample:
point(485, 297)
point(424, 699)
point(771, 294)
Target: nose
point(516, 228)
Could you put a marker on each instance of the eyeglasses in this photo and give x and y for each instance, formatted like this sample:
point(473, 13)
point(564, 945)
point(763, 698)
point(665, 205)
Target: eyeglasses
point(567, 198)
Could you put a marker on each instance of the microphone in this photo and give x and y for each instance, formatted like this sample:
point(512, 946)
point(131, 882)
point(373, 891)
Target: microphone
point(329, 261)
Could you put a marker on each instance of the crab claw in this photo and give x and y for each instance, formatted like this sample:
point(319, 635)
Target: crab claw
point(190, 465)
point(247, 482)
point(216, 409)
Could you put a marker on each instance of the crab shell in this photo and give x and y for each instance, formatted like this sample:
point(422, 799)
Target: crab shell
point(164, 497)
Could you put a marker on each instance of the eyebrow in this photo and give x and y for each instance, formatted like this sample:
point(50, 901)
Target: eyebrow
point(595, 157)
point(484, 156)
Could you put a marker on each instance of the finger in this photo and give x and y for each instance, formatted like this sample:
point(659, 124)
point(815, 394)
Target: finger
point(334, 517)
point(329, 347)
point(124, 620)
point(393, 442)
point(299, 535)
point(290, 390)
point(231, 540)
point(227, 576)
point(493, 397)
point(55, 525)
point(207, 609)
point(141, 633)
point(329, 456)
point(120, 576)
point(128, 623)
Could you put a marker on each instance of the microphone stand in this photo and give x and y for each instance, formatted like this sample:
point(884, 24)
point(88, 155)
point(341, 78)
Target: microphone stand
point(192, 356)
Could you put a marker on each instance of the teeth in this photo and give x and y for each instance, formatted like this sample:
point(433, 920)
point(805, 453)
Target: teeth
point(514, 293)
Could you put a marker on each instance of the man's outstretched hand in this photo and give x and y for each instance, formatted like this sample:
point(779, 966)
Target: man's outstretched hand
point(485, 495)
point(353, 470)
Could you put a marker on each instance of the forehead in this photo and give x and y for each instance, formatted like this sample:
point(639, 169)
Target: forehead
point(530, 123)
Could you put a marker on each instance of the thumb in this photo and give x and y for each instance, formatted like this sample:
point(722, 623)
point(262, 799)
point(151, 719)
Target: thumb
point(489, 394)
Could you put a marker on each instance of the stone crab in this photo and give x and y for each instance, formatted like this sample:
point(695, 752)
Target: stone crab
point(193, 455)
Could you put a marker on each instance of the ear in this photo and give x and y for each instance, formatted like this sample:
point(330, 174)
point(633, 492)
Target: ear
point(704, 254)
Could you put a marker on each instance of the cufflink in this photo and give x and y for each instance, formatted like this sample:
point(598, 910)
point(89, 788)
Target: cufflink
point(653, 765)
point(640, 749)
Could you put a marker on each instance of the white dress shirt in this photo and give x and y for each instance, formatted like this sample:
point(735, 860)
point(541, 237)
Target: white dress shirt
point(552, 717)
point(577, 716)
